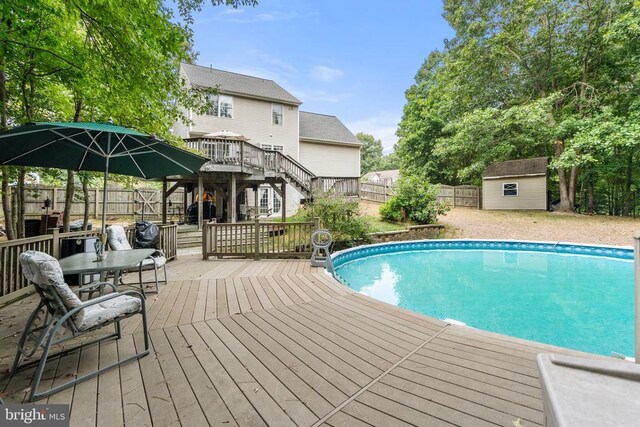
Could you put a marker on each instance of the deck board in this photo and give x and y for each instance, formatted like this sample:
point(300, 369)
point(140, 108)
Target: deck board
point(278, 342)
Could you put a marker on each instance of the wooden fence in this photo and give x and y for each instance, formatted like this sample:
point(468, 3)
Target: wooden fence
point(461, 195)
point(11, 279)
point(120, 202)
point(375, 192)
point(258, 239)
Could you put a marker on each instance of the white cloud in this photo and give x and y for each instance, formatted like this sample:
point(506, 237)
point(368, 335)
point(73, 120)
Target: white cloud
point(326, 74)
point(382, 126)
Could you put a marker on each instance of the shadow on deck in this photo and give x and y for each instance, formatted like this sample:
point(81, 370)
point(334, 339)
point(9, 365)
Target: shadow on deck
point(277, 342)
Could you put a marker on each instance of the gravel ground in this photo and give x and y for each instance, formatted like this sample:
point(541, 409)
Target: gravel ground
point(548, 226)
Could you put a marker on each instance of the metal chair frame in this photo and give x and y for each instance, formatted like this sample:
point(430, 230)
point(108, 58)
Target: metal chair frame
point(155, 270)
point(57, 316)
point(142, 267)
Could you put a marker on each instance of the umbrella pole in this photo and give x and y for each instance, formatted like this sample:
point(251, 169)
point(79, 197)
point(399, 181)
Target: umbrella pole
point(104, 197)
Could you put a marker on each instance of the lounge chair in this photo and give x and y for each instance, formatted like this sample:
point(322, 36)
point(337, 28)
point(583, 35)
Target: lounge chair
point(64, 309)
point(118, 241)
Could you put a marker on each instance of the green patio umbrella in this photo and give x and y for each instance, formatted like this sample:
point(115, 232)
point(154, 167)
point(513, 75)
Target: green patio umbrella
point(101, 147)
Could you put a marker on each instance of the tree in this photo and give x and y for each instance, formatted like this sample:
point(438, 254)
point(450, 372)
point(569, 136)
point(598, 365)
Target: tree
point(370, 153)
point(94, 61)
point(526, 78)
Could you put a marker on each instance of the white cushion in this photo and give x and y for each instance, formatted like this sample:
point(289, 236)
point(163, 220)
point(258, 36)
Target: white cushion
point(159, 261)
point(108, 310)
point(118, 238)
point(44, 271)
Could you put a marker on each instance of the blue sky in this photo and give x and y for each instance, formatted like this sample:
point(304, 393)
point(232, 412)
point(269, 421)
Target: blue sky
point(353, 59)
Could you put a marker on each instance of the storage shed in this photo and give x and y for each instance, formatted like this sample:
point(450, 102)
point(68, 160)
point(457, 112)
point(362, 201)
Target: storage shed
point(516, 185)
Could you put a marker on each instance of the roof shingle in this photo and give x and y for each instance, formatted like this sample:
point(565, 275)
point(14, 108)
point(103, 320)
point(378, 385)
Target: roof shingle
point(238, 84)
point(534, 166)
point(320, 127)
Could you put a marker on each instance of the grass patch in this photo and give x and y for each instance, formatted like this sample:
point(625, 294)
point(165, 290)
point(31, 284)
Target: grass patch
point(376, 225)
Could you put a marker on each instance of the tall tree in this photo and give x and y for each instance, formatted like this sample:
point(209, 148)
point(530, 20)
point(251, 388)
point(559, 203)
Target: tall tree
point(370, 152)
point(522, 78)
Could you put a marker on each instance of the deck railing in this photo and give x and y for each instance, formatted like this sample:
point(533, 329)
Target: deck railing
point(245, 154)
point(11, 279)
point(258, 239)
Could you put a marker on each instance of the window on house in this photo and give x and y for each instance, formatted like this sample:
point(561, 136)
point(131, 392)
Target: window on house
point(276, 114)
point(272, 147)
point(510, 189)
point(220, 106)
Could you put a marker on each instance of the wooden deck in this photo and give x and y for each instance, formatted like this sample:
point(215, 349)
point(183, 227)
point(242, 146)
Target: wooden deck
point(279, 343)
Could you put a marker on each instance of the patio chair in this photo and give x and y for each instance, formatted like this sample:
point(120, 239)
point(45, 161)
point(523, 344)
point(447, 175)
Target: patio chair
point(118, 241)
point(65, 312)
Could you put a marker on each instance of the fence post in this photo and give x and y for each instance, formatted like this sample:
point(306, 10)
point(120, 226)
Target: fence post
point(55, 242)
point(636, 269)
point(454, 197)
point(205, 243)
point(95, 204)
point(316, 224)
point(256, 255)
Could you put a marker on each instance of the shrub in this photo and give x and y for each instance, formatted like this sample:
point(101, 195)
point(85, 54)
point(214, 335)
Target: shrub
point(339, 215)
point(414, 199)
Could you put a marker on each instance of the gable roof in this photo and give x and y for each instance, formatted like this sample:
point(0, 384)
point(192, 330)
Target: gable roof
point(391, 173)
point(322, 128)
point(522, 167)
point(238, 84)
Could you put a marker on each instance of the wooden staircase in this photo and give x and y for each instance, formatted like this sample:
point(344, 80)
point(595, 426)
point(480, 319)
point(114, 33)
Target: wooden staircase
point(189, 236)
point(243, 157)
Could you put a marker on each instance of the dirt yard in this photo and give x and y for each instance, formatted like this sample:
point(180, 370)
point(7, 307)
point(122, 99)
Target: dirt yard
point(534, 225)
point(549, 226)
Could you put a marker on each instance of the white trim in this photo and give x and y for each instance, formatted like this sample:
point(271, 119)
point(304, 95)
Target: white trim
point(273, 104)
point(330, 142)
point(504, 184)
point(514, 176)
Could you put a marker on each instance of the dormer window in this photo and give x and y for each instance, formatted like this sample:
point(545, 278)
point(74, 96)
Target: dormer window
point(276, 114)
point(220, 106)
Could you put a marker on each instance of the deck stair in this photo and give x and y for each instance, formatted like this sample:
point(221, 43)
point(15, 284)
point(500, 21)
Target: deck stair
point(241, 156)
point(189, 236)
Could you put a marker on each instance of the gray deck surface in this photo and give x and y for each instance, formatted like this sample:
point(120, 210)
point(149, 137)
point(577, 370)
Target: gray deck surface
point(279, 343)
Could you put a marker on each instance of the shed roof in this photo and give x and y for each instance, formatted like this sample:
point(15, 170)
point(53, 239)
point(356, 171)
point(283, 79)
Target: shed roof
point(238, 84)
point(323, 128)
point(522, 167)
point(391, 173)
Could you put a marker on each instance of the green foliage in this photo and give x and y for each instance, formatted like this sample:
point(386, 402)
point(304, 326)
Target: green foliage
point(414, 199)
point(370, 153)
point(524, 78)
point(339, 215)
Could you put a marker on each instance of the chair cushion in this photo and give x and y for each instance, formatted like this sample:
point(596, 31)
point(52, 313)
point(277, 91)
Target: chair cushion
point(44, 271)
point(159, 261)
point(118, 238)
point(111, 309)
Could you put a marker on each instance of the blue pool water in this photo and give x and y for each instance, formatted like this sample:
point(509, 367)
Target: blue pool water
point(580, 299)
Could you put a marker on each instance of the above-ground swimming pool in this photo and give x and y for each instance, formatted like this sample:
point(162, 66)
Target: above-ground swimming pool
point(569, 295)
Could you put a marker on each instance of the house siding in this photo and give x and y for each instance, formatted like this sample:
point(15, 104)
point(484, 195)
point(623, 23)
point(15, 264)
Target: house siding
point(252, 118)
point(532, 194)
point(330, 159)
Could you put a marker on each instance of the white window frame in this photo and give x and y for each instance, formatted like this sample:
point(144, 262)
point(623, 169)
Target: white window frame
point(273, 147)
point(504, 189)
point(273, 114)
point(268, 199)
point(214, 109)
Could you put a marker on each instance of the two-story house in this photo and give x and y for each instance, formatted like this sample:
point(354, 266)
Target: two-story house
point(264, 146)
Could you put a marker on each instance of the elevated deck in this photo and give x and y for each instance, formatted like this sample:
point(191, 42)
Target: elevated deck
point(280, 343)
point(258, 164)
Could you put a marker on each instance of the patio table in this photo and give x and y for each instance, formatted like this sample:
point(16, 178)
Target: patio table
point(115, 261)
